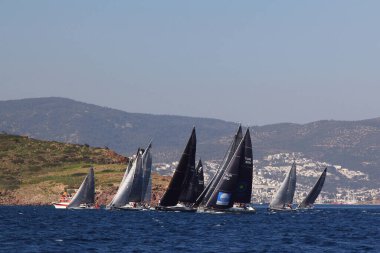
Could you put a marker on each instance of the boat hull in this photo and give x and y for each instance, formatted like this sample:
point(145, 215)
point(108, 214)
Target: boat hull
point(61, 205)
point(281, 209)
point(236, 210)
point(128, 208)
point(176, 209)
point(81, 208)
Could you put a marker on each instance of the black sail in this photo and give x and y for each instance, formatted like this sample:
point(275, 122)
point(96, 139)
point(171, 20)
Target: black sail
point(189, 186)
point(172, 194)
point(200, 178)
point(222, 196)
point(243, 191)
point(314, 192)
point(147, 178)
point(206, 194)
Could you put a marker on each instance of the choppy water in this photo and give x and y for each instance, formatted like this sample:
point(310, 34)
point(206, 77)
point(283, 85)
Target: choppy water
point(326, 229)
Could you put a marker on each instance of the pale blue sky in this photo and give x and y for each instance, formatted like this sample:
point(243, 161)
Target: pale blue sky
point(255, 62)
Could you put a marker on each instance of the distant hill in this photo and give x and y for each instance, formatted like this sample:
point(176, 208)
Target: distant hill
point(353, 144)
point(75, 122)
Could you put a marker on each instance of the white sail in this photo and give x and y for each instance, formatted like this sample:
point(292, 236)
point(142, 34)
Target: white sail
point(122, 195)
point(137, 183)
point(285, 194)
point(86, 191)
point(130, 163)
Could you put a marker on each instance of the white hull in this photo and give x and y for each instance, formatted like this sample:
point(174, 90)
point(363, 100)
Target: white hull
point(281, 209)
point(129, 208)
point(81, 208)
point(237, 210)
point(177, 208)
point(65, 205)
point(61, 205)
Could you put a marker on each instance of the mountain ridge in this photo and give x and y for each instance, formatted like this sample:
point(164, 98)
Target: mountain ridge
point(354, 144)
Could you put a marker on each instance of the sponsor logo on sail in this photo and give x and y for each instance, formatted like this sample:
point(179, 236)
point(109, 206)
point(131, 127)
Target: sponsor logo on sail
point(223, 198)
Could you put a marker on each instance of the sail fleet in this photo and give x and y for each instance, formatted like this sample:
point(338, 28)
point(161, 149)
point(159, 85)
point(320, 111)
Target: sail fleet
point(228, 191)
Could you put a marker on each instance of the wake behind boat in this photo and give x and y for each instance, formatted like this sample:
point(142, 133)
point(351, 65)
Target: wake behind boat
point(230, 189)
point(84, 198)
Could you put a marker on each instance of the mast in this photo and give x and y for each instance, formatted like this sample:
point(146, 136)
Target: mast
point(314, 192)
point(223, 195)
point(181, 176)
point(206, 194)
point(285, 194)
point(86, 191)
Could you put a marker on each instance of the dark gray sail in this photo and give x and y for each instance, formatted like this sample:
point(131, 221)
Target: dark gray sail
point(180, 177)
point(86, 191)
point(243, 192)
point(206, 194)
point(122, 196)
point(223, 195)
point(284, 196)
point(315, 191)
point(147, 177)
point(137, 185)
point(200, 178)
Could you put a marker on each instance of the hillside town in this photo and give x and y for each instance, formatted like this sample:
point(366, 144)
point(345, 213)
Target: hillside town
point(341, 185)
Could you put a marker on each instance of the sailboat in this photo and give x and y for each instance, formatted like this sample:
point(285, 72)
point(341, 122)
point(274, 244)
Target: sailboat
point(84, 198)
point(231, 188)
point(283, 199)
point(314, 192)
point(180, 194)
point(134, 192)
point(206, 194)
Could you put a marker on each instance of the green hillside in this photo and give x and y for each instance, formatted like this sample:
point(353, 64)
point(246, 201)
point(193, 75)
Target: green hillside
point(36, 172)
point(24, 160)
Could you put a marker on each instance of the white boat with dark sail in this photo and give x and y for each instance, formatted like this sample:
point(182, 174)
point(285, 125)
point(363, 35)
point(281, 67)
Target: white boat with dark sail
point(134, 192)
point(283, 199)
point(84, 198)
point(182, 190)
point(308, 202)
point(230, 189)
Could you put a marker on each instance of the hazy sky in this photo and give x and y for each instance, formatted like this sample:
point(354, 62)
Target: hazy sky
point(255, 62)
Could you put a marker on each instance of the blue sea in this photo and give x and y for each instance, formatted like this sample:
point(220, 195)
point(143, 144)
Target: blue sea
point(323, 229)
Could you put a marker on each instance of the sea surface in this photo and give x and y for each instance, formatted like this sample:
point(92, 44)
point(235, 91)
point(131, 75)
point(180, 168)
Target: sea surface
point(323, 229)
